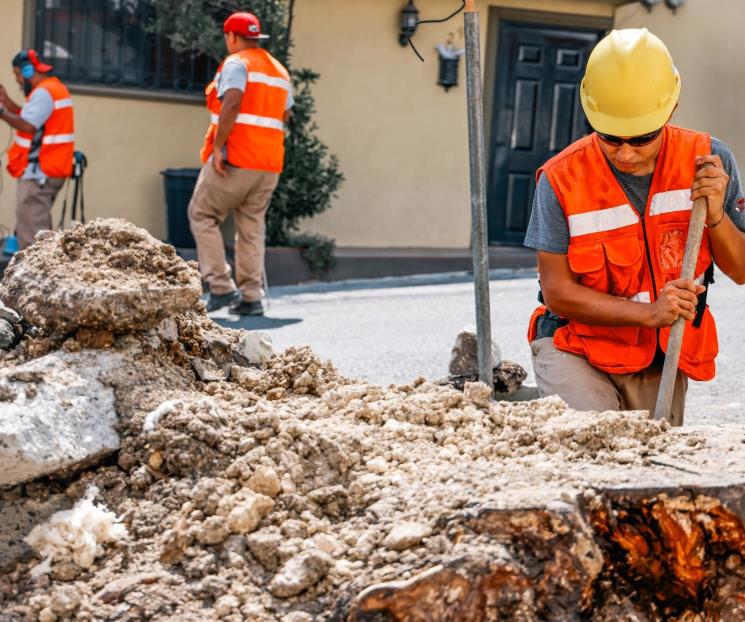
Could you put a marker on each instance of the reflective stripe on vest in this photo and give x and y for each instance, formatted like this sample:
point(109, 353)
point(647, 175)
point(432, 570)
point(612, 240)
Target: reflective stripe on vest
point(602, 220)
point(671, 201)
point(641, 297)
point(58, 139)
point(23, 142)
point(262, 78)
point(252, 119)
point(63, 103)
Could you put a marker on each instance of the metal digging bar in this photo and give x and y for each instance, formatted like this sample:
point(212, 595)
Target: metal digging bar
point(478, 192)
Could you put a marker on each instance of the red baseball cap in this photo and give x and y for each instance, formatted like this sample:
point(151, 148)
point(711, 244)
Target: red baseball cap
point(244, 24)
point(30, 56)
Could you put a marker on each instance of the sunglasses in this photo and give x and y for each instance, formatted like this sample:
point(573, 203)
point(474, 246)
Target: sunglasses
point(634, 141)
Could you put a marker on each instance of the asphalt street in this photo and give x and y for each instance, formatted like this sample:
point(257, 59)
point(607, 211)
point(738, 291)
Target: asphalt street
point(393, 330)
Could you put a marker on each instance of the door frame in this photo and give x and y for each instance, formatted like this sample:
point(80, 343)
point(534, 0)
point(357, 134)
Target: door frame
point(496, 16)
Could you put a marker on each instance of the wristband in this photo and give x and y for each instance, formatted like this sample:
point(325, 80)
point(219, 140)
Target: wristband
point(719, 222)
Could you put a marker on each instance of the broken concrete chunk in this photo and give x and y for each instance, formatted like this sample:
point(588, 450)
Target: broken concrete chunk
point(464, 360)
point(264, 546)
point(254, 348)
point(251, 378)
point(69, 422)
point(7, 335)
point(406, 535)
point(478, 393)
point(7, 314)
point(265, 481)
point(300, 573)
point(100, 275)
point(207, 371)
point(119, 588)
point(244, 510)
point(213, 530)
point(167, 330)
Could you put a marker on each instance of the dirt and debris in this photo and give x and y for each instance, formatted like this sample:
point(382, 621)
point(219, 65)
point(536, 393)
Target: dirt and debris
point(283, 491)
point(108, 275)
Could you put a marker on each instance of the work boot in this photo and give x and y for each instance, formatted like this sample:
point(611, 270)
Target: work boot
point(248, 307)
point(218, 301)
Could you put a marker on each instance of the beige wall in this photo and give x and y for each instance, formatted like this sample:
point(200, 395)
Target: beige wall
point(401, 139)
point(706, 41)
point(11, 36)
point(127, 141)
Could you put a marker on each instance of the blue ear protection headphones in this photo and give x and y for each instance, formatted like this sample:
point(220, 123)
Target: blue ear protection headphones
point(25, 63)
point(28, 71)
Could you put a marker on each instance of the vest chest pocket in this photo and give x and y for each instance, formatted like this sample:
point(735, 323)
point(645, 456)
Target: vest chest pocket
point(612, 266)
point(588, 262)
point(625, 265)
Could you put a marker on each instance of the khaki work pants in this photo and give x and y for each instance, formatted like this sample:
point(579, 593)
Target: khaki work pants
point(247, 193)
point(34, 203)
point(583, 387)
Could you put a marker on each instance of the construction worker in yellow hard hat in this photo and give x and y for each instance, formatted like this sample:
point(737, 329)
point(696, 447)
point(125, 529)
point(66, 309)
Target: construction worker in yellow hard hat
point(610, 220)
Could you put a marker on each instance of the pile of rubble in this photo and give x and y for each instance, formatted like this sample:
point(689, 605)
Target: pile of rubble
point(164, 468)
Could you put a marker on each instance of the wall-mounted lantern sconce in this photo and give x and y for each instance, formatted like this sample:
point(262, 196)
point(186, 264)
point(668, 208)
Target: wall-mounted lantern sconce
point(650, 3)
point(671, 4)
point(674, 4)
point(409, 22)
point(449, 63)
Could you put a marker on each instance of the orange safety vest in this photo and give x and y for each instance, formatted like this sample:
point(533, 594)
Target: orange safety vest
point(257, 140)
point(58, 137)
point(613, 251)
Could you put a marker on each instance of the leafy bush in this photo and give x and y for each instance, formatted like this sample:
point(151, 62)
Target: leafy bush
point(312, 176)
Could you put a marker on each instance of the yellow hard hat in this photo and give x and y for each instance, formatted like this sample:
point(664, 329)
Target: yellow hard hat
point(630, 86)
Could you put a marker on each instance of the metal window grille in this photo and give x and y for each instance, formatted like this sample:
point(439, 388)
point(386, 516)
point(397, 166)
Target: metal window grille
point(104, 42)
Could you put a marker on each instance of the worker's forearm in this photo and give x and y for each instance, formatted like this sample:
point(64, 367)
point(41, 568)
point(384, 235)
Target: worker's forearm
point(728, 247)
point(12, 106)
point(228, 115)
point(16, 122)
point(584, 304)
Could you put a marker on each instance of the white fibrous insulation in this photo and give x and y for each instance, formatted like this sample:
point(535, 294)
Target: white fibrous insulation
point(76, 535)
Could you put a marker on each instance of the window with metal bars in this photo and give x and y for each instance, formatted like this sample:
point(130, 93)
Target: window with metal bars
point(105, 42)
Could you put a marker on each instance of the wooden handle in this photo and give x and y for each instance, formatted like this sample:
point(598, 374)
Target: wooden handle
point(470, 6)
point(672, 355)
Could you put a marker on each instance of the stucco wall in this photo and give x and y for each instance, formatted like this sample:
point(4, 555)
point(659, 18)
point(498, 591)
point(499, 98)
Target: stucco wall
point(11, 35)
point(401, 139)
point(127, 141)
point(706, 41)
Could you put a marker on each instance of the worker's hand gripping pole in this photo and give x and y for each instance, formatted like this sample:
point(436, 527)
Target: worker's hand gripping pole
point(478, 193)
point(663, 409)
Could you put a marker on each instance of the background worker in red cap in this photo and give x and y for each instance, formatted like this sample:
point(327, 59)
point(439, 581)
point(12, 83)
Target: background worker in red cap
point(41, 156)
point(249, 101)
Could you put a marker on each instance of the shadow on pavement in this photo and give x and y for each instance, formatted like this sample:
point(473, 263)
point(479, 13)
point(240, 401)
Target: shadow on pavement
point(255, 323)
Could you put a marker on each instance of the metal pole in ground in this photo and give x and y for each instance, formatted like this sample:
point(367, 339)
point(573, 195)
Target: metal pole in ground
point(478, 192)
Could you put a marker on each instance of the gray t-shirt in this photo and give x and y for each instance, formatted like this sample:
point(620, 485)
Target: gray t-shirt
point(548, 229)
point(37, 111)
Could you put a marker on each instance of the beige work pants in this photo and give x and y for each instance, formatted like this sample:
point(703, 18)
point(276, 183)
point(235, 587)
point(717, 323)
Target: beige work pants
point(583, 387)
point(34, 203)
point(247, 193)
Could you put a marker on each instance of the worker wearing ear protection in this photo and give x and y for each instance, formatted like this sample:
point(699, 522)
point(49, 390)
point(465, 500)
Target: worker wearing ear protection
point(41, 157)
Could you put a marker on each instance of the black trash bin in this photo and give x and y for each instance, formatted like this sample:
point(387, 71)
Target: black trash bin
point(179, 185)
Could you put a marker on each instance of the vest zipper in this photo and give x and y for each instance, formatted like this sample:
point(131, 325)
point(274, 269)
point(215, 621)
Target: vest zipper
point(653, 293)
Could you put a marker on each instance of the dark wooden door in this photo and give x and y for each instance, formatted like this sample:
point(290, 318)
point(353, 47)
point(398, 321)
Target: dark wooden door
point(536, 114)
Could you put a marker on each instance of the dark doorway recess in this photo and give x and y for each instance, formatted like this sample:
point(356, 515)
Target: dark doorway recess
point(536, 113)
